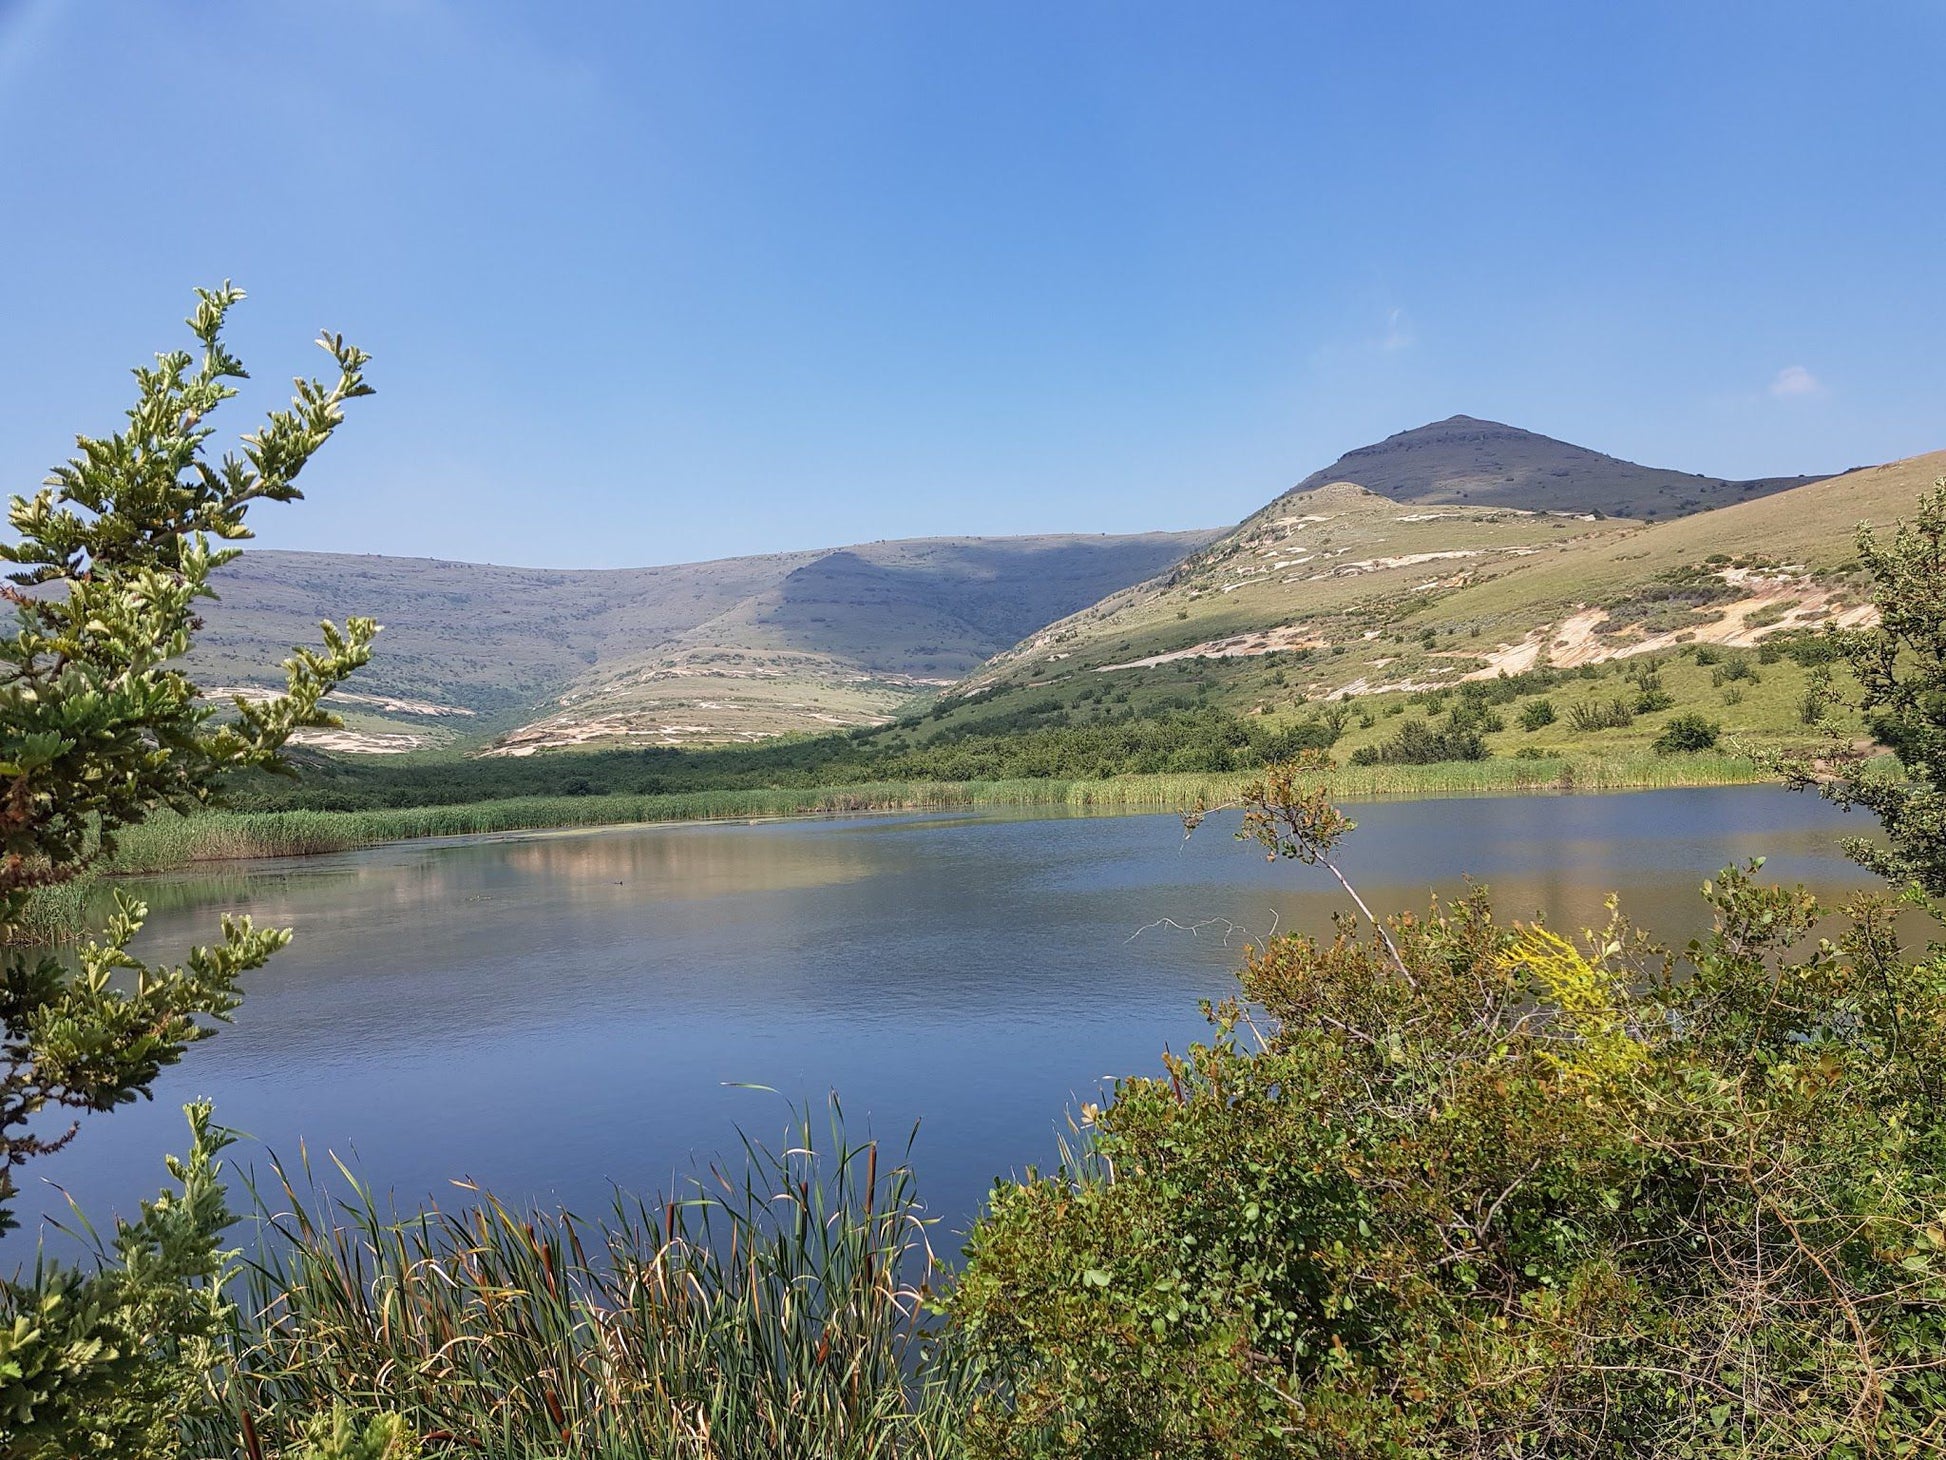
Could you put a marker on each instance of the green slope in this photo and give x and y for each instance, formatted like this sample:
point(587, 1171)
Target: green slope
point(1337, 593)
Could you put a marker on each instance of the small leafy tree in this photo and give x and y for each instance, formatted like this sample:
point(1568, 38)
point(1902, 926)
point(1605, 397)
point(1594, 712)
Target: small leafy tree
point(1687, 732)
point(100, 727)
point(1900, 665)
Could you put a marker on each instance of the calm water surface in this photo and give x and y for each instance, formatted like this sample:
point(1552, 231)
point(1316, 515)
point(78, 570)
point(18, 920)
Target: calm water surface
point(551, 1014)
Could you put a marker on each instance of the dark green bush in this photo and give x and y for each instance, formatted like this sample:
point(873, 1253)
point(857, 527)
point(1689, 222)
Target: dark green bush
point(1418, 743)
point(1687, 732)
point(1536, 713)
point(1616, 714)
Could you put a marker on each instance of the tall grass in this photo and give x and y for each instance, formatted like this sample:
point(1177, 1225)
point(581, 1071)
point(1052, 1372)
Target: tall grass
point(173, 841)
point(53, 913)
point(777, 1312)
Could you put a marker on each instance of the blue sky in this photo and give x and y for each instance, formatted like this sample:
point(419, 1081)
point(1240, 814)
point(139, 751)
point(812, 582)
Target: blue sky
point(655, 282)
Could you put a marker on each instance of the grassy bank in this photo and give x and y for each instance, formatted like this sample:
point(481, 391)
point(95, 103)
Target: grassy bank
point(176, 841)
point(168, 842)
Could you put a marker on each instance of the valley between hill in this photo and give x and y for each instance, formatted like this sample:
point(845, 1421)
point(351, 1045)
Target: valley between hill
point(1462, 631)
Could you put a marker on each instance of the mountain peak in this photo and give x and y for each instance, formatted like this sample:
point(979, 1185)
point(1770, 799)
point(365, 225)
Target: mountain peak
point(1466, 459)
point(1331, 494)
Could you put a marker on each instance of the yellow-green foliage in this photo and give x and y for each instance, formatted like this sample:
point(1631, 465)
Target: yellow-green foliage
point(1601, 1051)
point(341, 1436)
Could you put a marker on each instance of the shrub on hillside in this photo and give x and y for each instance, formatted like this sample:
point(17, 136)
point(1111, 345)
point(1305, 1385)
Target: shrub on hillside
point(1687, 732)
point(1616, 714)
point(1536, 714)
point(1418, 743)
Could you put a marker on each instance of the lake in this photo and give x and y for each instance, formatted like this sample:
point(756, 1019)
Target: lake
point(549, 1014)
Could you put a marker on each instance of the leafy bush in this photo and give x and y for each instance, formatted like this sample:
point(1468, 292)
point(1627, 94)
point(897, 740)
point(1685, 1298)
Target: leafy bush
point(99, 730)
point(1418, 743)
point(1810, 647)
point(1536, 714)
point(1617, 714)
point(1649, 701)
point(1687, 732)
point(1455, 1187)
point(1819, 696)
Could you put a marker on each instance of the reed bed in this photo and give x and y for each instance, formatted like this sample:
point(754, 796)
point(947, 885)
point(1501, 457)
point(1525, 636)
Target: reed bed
point(169, 841)
point(776, 1312)
point(173, 841)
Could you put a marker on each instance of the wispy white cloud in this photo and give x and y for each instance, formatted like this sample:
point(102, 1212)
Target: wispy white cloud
point(1398, 333)
point(1795, 380)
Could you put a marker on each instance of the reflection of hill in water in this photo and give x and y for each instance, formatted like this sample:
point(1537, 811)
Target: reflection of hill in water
point(603, 869)
point(689, 863)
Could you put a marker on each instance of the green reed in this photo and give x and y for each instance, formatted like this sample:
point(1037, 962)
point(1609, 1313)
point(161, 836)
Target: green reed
point(173, 841)
point(167, 842)
point(773, 1311)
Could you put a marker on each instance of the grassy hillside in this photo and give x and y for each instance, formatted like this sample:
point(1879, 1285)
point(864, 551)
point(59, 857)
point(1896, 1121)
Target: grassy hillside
point(1485, 463)
point(1336, 593)
point(692, 653)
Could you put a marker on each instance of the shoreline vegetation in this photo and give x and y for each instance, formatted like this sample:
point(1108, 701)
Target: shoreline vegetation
point(167, 843)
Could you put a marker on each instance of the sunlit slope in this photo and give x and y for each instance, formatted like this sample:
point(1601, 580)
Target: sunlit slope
point(1333, 565)
point(847, 638)
point(1349, 593)
point(693, 652)
point(1465, 460)
point(1778, 562)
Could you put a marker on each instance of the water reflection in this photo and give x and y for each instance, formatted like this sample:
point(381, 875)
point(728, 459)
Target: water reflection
point(552, 1013)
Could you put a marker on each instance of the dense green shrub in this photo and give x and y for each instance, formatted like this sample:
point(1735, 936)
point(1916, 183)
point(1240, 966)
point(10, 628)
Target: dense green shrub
point(1457, 1187)
point(1820, 694)
point(1687, 732)
point(1615, 714)
point(1536, 714)
point(1418, 743)
point(1809, 647)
